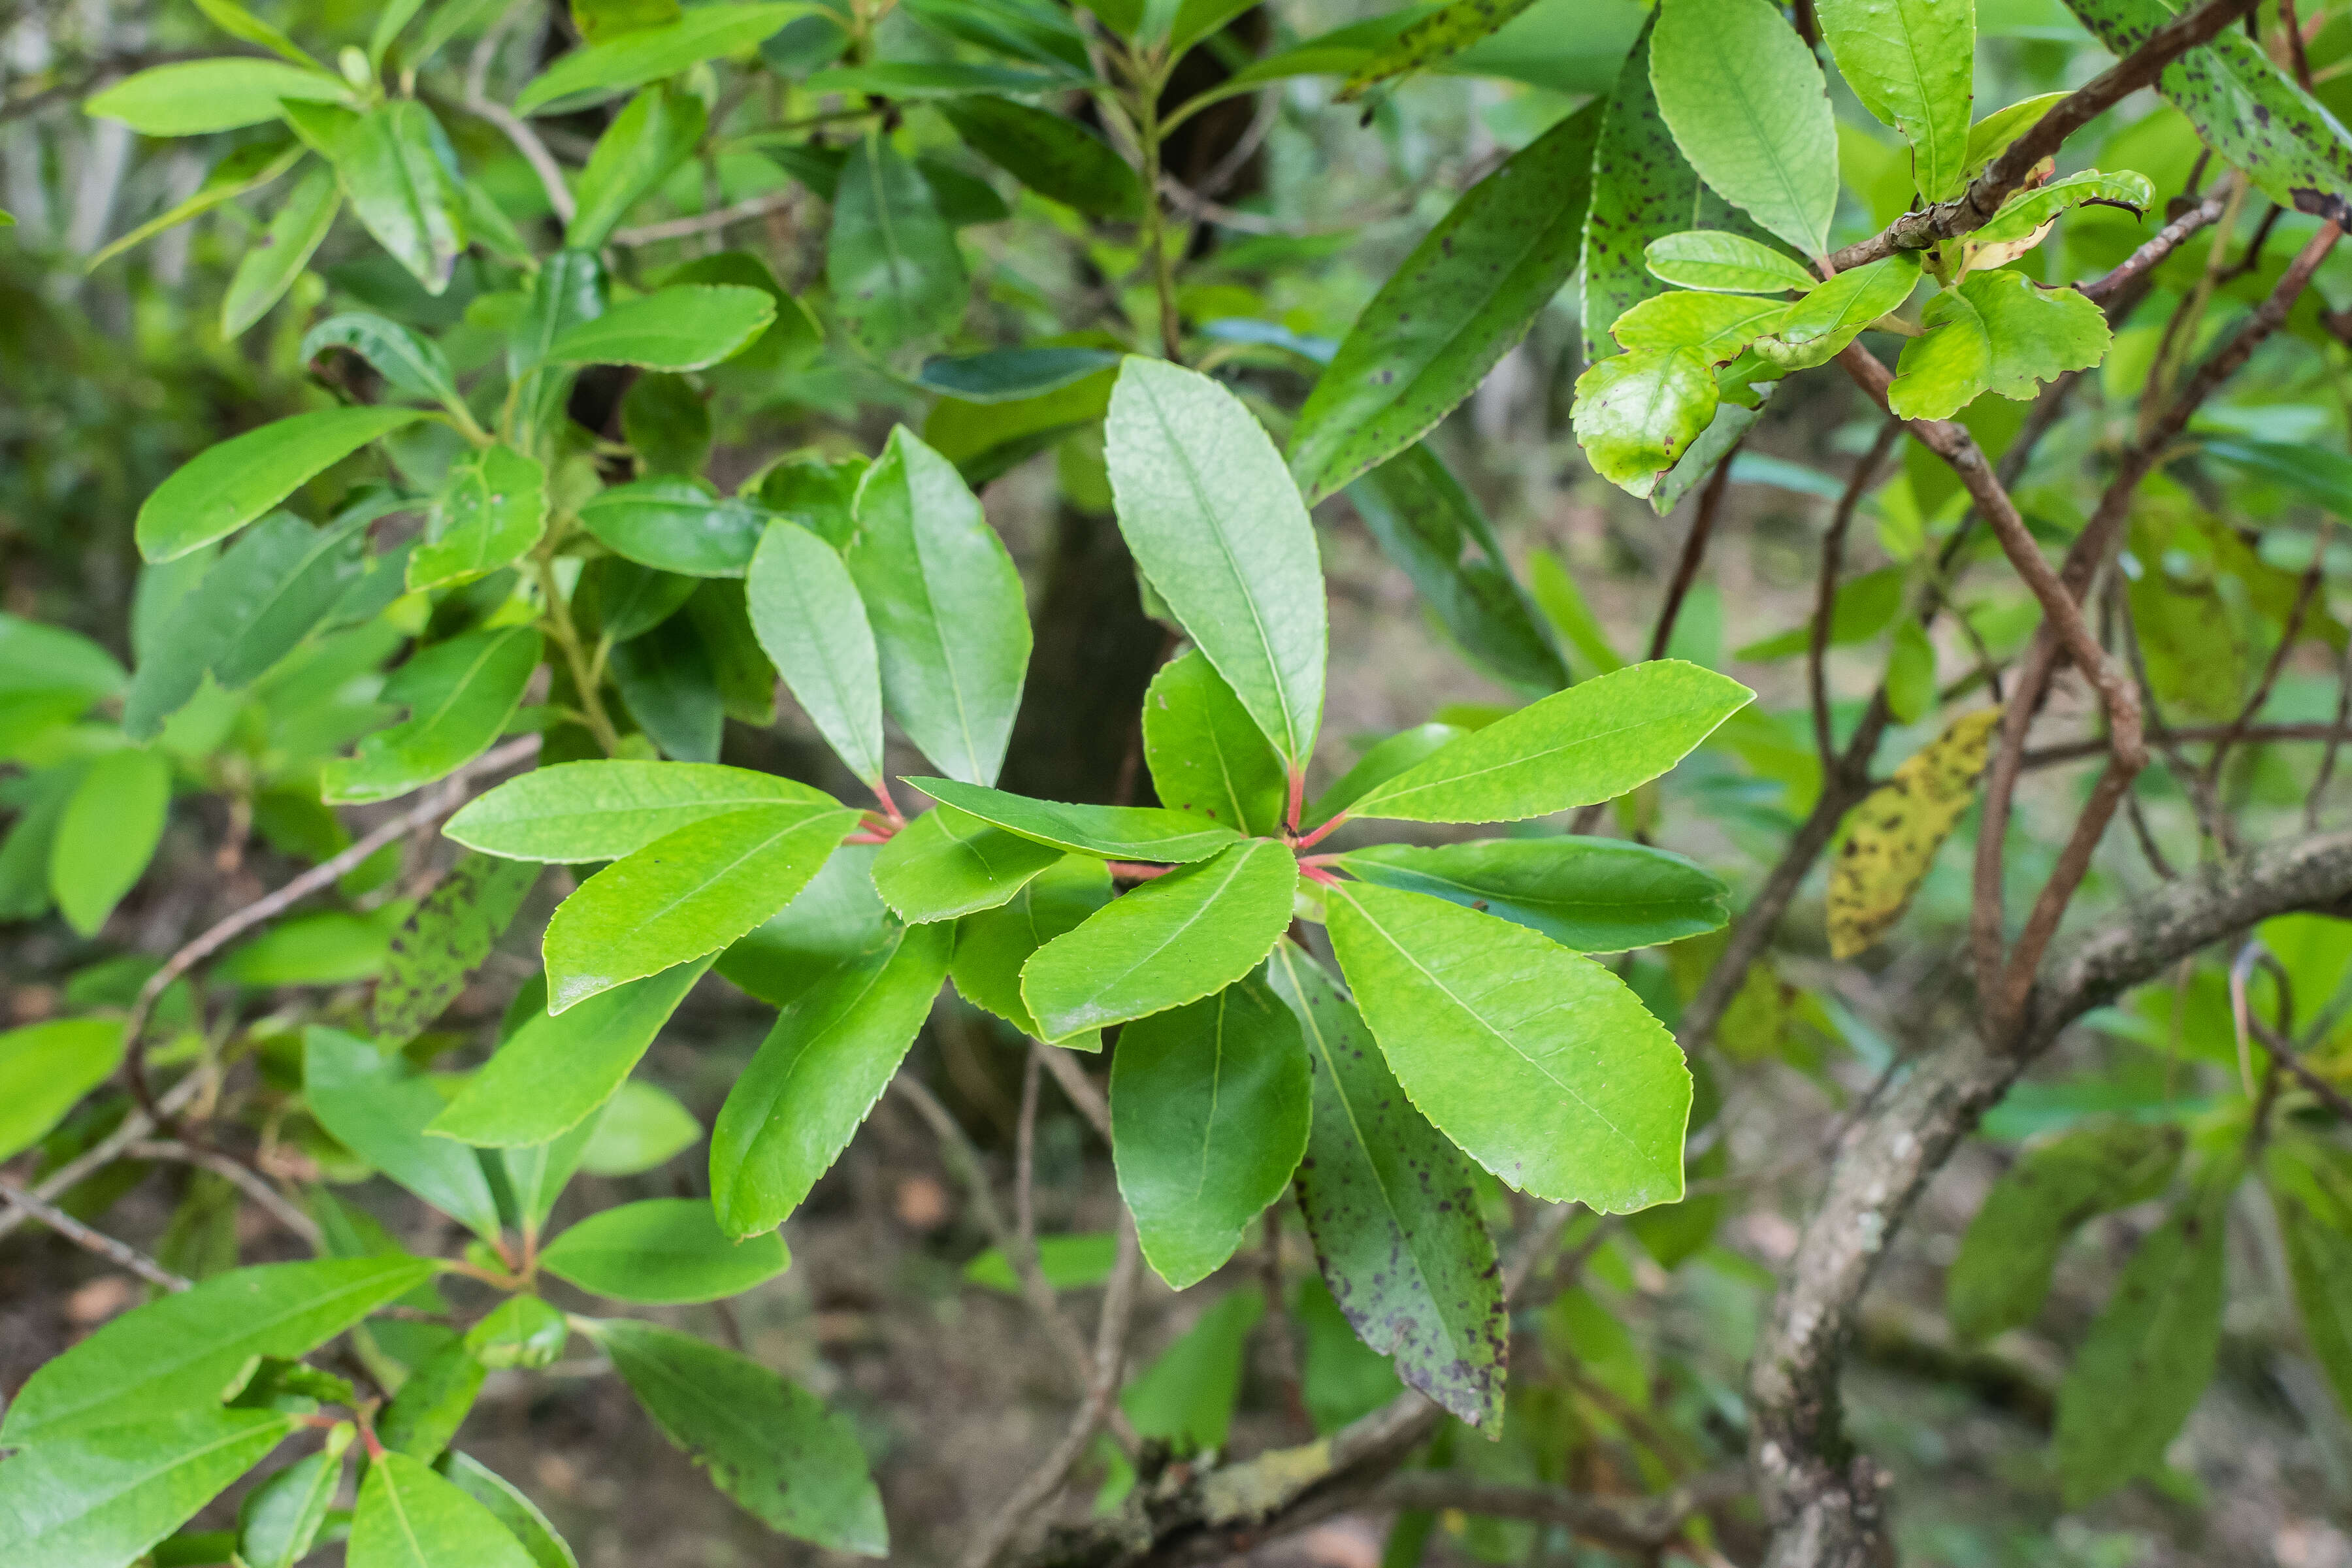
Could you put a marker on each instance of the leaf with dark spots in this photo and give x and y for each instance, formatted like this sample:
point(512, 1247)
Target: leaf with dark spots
point(445, 940)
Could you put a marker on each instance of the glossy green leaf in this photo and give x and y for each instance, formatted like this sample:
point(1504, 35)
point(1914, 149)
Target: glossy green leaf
point(1989, 138)
point(620, 599)
point(1538, 1063)
point(409, 1516)
point(2029, 210)
point(1591, 742)
point(648, 53)
point(184, 1349)
point(666, 419)
point(1637, 413)
point(1173, 940)
point(1995, 333)
point(683, 328)
point(820, 1071)
point(947, 863)
point(522, 1331)
point(1010, 376)
point(459, 694)
point(1381, 761)
point(1750, 111)
point(1393, 1210)
point(1913, 65)
point(768, 1444)
point(46, 1069)
point(1207, 757)
point(226, 486)
point(1717, 326)
point(581, 812)
point(600, 21)
point(1817, 327)
point(643, 1127)
point(1060, 159)
point(403, 185)
point(1642, 189)
point(664, 1251)
point(378, 1109)
point(193, 98)
point(445, 940)
point(432, 1402)
point(241, 172)
point(508, 1504)
point(105, 1496)
point(1463, 298)
point(559, 1067)
point(413, 367)
point(811, 624)
point(833, 921)
point(268, 269)
point(107, 834)
point(241, 24)
point(568, 289)
point(1217, 526)
point(891, 259)
point(645, 143)
point(1208, 1111)
point(1710, 259)
point(993, 946)
point(2002, 1272)
point(669, 683)
point(674, 524)
point(494, 509)
point(1593, 895)
point(280, 1519)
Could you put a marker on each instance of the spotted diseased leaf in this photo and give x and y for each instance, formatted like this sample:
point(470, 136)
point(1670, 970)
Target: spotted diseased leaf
point(452, 931)
point(2029, 210)
point(1637, 414)
point(1642, 188)
point(1446, 31)
point(1894, 833)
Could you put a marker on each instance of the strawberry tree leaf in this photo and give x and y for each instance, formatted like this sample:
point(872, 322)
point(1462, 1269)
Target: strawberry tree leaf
point(1710, 259)
point(108, 1494)
point(638, 55)
point(1206, 755)
point(409, 1516)
point(684, 328)
point(580, 812)
point(445, 940)
point(676, 525)
point(2029, 210)
point(1716, 325)
point(1108, 832)
point(1642, 189)
point(891, 260)
point(992, 946)
point(645, 142)
point(1637, 414)
point(226, 486)
point(1750, 109)
point(811, 625)
point(459, 694)
point(1816, 328)
point(377, 1109)
point(662, 1251)
point(494, 508)
point(193, 98)
point(1593, 895)
point(1913, 63)
point(947, 863)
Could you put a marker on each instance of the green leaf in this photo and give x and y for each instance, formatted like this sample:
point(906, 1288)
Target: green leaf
point(494, 508)
point(1447, 30)
point(768, 1444)
point(510, 1508)
point(1538, 1063)
point(2148, 1358)
point(891, 259)
point(1865, 606)
point(568, 289)
point(667, 680)
point(663, 1251)
point(1206, 754)
point(559, 1067)
point(1173, 940)
point(1058, 158)
point(1717, 326)
point(620, 599)
point(1710, 259)
point(403, 187)
point(1186, 1397)
point(1911, 675)
point(412, 366)
point(643, 1127)
point(459, 694)
point(666, 420)
point(46, 1069)
point(648, 54)
point(1593, 741)
point(1217, 526)
point(1067, 1262)
point(1642, 189)
point(684, 328)
point(1817, 327)
point(241, 24)
point(2029, 210)
point(641, 148)
point(581, 812)
point(820, 1071)
point(1593, 895)
point(434, 1402)
point(111, 824)
point(1947, 367)
point(193, 98)
point(674, 524)
point(108, 1495)
point(1995, 333)
point(1913, 65)
point(833, 921)
point(408, 1517)
point(226, 486)
point(184, 1349)
point(949, 619)
point(2003, 1271)
point(445, 940)
point(523, 1330)
point(1989, 138)
point(268, 269)
point(1109, 832)
point(241, 172)
point(1748, 107)
point(1384, 760)
point(1394, 1211)
point(375, 1108)
point(1428, 524)
point(993, 946)
point(1209, 1110)
point(811, 623)
point(2309, 1191)
point(947, 863)
point(1011, 375)
point(280, 1519)
point(600, 21)
point(1460, 302)
point(1637, 413)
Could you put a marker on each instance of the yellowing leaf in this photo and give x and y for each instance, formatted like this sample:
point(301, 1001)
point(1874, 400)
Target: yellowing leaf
point(1896, 831)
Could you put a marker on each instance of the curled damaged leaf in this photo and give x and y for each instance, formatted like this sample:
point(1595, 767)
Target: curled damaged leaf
point(1995, 333)
point(1637, 413)
point(1818, 327)
point(2030, 210)
point(1716, 325)
point(1894, 833)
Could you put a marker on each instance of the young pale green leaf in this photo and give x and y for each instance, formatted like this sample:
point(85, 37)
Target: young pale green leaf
point(1460, 302)
point(1538, 1063)
point(949, 619)
point(280, 1519)
point(643, 1127)
point(947, 863)
point(676, 525)
point(1913, 65)
point(523, 1330)
point(1642, 189)
point(1948, 366)
point(1591, 742)
point(683, 328)
point(1750, 109)
point(642, 147)
point(241, 172)
point(108, 1495)
point(687, 894)
point(1208, 1113)
point(820, 1071)
point(1054, 156)
point(2002, 1272)
point(1430, 525)
point(111, 824)
point(1593, 895)
point(768, 1444)
point(1206, 754)
point(648, 54)
point(445, 940)
point(413, 367)
point(225, 487)
point(378, 1109)
point(1174, 939)
point(400, 179)
point(1715, 325)
point(459, 694)
point(2029, 210)
point(1393, 1210)
point(508, 1504)
point(1711, 259)
point(2148, 1358)
point(46, 1069)
point(556, 1069)
point(268, 269)
point(1216, 526)
point(1818, 327)
point(1989, 138)
point(811, 623)
point(409, 1516)
point(1637, 413)
point(993, 946)
point(241, 24)
point(580, 812)
point(1995, 332)
point(184, 1349)
point(195, 98)
point(891, 259)
point(494, 508)
point(662, 1251)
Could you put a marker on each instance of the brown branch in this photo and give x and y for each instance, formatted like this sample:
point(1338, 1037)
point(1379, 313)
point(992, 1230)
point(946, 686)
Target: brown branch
point(704, 223)
point(2153, 254)
point(253, 1184)
point(1825, 591)
point(118, 1253)
point(2250, 734)
point(1081, 1089)
point(2285, 1056)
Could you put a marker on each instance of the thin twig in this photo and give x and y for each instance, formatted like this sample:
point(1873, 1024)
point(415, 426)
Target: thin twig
point(2251, 734)
point(82, 1235)
point(1081, 1089)
point(281, 1208)
point(2153, 254)
point(705, 223)
point(2285, 1056)
point(534, 152)
point(105, 1151)
point(1825, 590)
point(1024, 1167)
